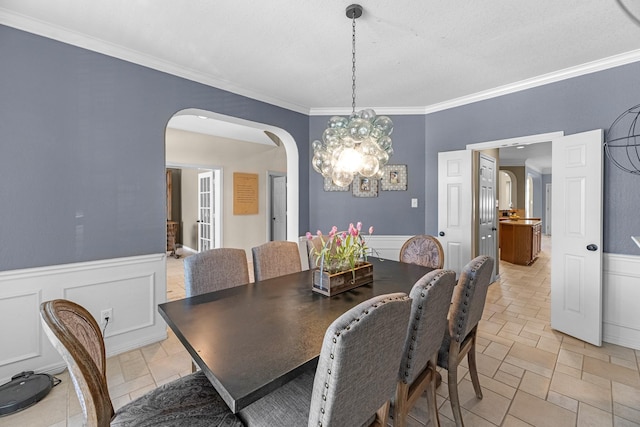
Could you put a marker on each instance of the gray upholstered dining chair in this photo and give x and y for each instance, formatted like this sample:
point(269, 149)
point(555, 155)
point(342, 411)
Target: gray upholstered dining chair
point(214, 270)
point(356, 374)
point(423, 250)
point(460, 338)
point(274, 259)
point(190, 400)
point(431, 298)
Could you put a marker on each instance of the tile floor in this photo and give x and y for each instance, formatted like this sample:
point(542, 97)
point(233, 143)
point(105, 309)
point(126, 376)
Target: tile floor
point(530, 374)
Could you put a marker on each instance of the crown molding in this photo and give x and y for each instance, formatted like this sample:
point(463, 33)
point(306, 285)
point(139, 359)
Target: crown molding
point(553, 77)
point(390, 111)
point(28, 24)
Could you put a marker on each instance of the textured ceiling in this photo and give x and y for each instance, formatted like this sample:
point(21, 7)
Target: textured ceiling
point(297, 54)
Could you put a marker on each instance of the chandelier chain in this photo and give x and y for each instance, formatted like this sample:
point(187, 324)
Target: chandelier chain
point(353, 64)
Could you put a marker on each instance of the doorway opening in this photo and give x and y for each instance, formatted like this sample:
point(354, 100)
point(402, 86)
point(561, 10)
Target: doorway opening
point(192, 137)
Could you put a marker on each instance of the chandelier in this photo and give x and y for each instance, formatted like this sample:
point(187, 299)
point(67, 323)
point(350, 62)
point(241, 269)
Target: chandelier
point(359, 145)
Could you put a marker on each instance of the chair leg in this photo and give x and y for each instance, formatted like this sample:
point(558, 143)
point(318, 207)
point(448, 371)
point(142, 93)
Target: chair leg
point(473, 370)
point(452, 377)
point(432, 405)
point(382, 416)
point(400, 407)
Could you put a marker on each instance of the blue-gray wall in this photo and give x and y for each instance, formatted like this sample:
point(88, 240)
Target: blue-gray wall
point(390, 212)
point(82, 151)
point(575, 105)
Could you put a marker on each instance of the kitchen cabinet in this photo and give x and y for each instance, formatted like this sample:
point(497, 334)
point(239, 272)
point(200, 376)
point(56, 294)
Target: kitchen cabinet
point(520, 241)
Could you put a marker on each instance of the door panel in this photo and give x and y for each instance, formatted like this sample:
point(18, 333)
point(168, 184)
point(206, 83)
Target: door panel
point(206, 211)
point(576, 264)
point(455, 207)
point(278, 207)
point(487, 209)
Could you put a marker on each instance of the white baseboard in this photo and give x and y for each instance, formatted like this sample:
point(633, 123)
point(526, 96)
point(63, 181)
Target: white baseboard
point(132, 287)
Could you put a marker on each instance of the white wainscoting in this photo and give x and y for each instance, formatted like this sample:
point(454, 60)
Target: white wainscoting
point(621, 294)
point(132, 287)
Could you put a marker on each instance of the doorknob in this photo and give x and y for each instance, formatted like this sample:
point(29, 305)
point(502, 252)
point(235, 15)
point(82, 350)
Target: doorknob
point(592, 247)
point(441, 233)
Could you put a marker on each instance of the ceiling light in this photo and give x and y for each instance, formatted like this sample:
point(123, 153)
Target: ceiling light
point(359, 144)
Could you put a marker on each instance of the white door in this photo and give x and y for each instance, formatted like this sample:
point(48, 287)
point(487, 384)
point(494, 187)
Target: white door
point(454, 207)
point(206, 211)
point(278, 207)
point(487, 242)
point(576, 264)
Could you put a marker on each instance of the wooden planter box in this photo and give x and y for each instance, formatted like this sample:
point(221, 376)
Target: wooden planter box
point(332, 284)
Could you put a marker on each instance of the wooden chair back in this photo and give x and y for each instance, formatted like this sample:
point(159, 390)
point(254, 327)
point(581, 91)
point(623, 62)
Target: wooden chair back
point(76, 335)
point(423, 250)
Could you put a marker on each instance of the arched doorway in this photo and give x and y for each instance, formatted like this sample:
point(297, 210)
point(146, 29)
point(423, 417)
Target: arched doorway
point(196, 120)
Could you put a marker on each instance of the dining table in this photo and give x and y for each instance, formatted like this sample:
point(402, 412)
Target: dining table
point(250, 340)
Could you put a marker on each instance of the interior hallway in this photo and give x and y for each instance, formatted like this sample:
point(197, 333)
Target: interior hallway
point(530, 374)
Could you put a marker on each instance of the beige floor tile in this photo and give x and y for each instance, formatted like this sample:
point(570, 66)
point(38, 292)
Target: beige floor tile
point(539, 412)
point(494, 385)
point(612, 371)
point(562, 401)
point(582, 391)
point(129, 386)
point(492, 407)
point(171, 365)
point(470, 419)
point(532, 359)
point(552, 345)
point(626, 395)
point(630, 414)
point(577, 373)
point(570, 358)
point(511, 421)
point(621, 422)
point(507, 379)
point(588, 416)
point(535, 384)
point(497, 350)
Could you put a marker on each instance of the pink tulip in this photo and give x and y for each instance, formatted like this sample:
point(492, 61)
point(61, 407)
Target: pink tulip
point(359, 226)
point(309, 235)
point(371, 230)
point(319, 233)
point(334, 229)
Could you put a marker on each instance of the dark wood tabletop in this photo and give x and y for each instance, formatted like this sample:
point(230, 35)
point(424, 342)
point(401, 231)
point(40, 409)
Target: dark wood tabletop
point(250, 340)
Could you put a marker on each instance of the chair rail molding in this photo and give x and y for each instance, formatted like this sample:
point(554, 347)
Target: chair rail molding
point(131, 287)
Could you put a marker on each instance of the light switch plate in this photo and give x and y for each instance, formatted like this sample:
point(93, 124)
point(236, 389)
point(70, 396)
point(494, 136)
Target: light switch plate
point(414, 203)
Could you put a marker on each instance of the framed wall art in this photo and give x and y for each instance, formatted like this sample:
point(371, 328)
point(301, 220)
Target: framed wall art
point(394, 178)
point(365, 187)
point(330, 186)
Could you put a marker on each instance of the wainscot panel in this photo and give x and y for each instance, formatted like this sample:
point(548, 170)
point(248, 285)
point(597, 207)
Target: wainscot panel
point(131, 287)
point(621, 293)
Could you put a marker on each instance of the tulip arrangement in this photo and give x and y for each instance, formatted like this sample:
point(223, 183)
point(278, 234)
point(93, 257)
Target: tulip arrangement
point(341, 250)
